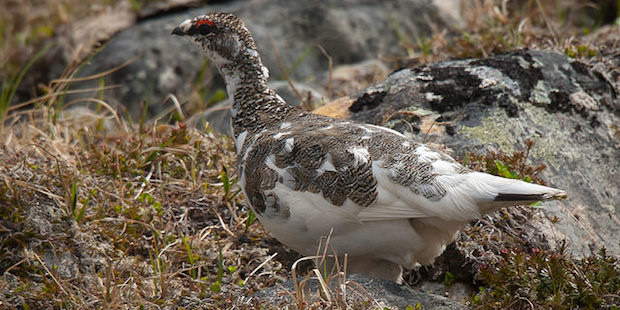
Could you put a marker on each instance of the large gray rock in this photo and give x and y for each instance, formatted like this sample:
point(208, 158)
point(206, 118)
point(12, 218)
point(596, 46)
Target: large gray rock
point(567, 109)
point(349, 31)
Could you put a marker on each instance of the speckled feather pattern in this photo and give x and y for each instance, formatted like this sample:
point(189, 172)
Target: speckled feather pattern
point(301, 153)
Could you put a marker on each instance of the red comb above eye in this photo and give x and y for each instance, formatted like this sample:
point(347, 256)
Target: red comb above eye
point(205, 21)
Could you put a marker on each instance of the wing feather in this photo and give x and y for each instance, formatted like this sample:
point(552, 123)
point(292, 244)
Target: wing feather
point(396, 200)
point(389, 176)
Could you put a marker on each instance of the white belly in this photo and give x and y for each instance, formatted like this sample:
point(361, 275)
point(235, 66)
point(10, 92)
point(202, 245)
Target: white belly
point(311, 217)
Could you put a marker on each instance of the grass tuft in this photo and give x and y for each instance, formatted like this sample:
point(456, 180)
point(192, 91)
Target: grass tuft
point(100, 212)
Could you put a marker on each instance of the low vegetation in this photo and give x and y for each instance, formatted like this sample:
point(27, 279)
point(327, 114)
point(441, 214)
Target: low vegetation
point(495, 26)
point(549, 279)
point(100, 213)
point(517, 270)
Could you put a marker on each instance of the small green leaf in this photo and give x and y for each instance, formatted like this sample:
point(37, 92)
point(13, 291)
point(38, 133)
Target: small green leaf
point(218, 95)
point(45, 31)
point(225, 180)
point(536, 205)
point(448, 279)
point(151, 157)
point(249, 221)
point(157, 207)
point(215, 287)
point(188, 248)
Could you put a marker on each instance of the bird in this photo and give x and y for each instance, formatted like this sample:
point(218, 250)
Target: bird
point(386, 201)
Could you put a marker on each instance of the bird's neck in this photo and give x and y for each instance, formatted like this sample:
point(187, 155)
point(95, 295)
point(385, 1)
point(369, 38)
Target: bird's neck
point(255, 106)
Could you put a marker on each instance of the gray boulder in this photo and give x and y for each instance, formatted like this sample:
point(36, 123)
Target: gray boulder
point(349, 31)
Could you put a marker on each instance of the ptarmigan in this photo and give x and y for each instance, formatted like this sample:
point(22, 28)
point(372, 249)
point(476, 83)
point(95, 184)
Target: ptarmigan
point(391, 201)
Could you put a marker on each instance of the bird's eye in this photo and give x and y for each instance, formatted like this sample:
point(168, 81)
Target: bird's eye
point(204, 26)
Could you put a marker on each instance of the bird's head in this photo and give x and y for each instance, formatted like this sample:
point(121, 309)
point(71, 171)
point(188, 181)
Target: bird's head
point(222, 36)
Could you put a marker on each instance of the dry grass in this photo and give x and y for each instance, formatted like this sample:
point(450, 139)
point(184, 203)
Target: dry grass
point(497, 26)
point(101, 213)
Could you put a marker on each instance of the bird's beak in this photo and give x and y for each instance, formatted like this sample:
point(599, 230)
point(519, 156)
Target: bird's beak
point(178, 31)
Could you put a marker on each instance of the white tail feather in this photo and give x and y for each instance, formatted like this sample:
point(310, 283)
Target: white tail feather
point(491, 192)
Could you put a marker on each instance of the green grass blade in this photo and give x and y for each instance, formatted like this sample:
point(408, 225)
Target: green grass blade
point(9, 89)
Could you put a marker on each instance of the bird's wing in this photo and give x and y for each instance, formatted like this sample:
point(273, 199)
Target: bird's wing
point(384, 173)
point(414, 180)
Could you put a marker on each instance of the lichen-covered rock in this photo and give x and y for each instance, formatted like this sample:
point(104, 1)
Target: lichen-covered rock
point(569, 110)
